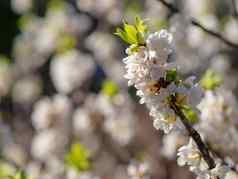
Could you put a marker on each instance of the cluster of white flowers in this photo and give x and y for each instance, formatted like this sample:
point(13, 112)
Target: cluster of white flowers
point(147, 69)
point(190, 155)
point(150, 70)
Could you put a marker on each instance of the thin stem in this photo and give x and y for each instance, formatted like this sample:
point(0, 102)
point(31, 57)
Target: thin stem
point(194, 134)
point(174, 10)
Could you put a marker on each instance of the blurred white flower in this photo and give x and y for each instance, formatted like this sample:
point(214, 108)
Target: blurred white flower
point(72, 174)
point(231, 175)
point(108, 9)
point(121, 129)
point(53, 112)
point(195, 11)
point(230, 30)
point(5, 135)
point(138, 170)
point(71, 70)
point(48, 144)
point(26, 56)
point(27, 89)
point(95, 42)
point(21, 6)
point(171, 142)
point(6, 77)
point(81, 121)
point(219, 116)
point(33, 169)
point(15, 153)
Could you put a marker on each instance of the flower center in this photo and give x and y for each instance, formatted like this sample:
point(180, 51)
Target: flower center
point(194, 156)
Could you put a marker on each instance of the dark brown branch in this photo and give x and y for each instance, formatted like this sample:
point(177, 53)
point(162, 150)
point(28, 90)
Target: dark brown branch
point(174, 10)
point(194, 134)
point(213, 33)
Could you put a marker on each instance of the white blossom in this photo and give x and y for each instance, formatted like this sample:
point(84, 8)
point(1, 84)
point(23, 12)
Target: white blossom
point(71, 70)
point(51, 112)
point(190, 155)
point(138, 170)
point(48, 144)
point(21, 6)
point(159, 44)
point(29, 88)
point(219, 116)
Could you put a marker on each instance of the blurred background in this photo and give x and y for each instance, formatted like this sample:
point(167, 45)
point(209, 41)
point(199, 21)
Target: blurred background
point(66, 111)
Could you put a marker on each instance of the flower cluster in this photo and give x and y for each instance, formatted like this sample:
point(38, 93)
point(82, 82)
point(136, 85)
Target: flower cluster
point(190, 155)
point(155, 77)
point(154, 74)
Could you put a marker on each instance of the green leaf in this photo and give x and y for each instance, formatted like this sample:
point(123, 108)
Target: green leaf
point(109, 88)
point(78, 158)
point(19, 175)
point(132, 34)
point(24, 21)
point(210, 80)
point(65, 43)
point(160, 24)
point(140, 25)
point(5, 170)
point(121, 34)
point(190, 114)
point(171, 75)
point(140, 38)
point(56, 5)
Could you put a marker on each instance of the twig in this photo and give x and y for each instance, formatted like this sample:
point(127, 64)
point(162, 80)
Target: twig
point(194, 134)
point(213, 33)
point(174, 10)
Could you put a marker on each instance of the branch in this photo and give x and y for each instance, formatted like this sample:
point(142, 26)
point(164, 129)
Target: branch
point(194, 134)
point(174, 10)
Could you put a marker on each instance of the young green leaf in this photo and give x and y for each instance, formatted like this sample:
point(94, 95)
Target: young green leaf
point(171, 75)
point(190, 114)
point(140, 25)
point(109, 88)
point(210, 80)
point(121, 34)
point(78, 158)
point(131, 34)
point(19, 175)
